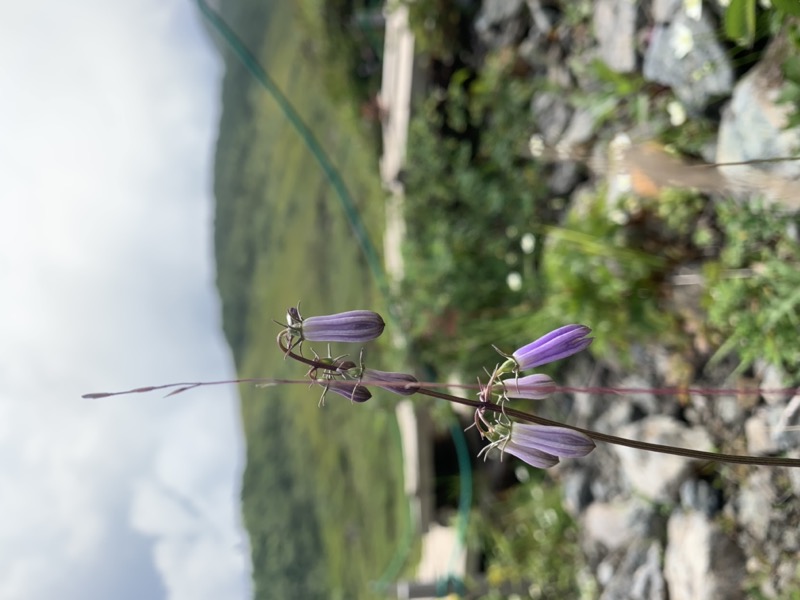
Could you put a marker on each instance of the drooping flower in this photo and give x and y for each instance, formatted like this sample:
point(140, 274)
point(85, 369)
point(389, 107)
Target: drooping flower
point(350, 326)
point(397, 383)
point(542, 446)
point(351, 390)
point(532, 387)
point(564, 341)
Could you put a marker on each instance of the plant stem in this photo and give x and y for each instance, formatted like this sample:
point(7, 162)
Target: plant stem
point(766, 461)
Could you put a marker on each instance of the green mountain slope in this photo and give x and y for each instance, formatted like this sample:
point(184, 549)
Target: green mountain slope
point(324, 510)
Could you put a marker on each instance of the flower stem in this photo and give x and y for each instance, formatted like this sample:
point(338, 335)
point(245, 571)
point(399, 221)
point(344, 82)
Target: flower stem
point(766, 461)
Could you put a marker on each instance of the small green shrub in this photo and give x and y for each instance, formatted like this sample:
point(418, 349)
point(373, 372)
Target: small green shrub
point(754, 289)
point(529, 538)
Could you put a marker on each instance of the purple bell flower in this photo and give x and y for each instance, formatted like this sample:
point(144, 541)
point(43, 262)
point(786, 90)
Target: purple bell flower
point(350, 326)
point(564, 341)
point(542, 446)
point(397, 383)
point(531, 387)
point(349, 389)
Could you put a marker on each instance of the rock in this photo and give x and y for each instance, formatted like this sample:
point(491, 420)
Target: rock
point(534, 46)
point(654, 475)
point(665, 10)
point(576, 486)
point(794, 475)
point(616, 524)
point(773, 378)
point(638, 576)
point(499, 24)
point(583, 372)
point(687, 56)
point(615, 29)
point(698, 496)
point(771, 428)
point(701, 562)
point(551, 113)
point(757, 431)
point(753, 127)
point(729, 409)
point(755, 503)
point(644, 402)
point(564, 177)
point(580, 130)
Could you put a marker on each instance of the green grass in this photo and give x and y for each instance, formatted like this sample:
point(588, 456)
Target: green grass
point(324, 510)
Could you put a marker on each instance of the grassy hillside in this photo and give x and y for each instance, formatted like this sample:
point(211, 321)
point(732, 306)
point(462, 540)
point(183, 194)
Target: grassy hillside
point(323, 510)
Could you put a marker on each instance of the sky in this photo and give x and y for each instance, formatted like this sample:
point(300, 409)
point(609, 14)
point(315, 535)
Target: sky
point(108, 117)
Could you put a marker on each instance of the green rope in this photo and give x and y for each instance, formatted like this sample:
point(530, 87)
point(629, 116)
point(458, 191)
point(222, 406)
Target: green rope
point(334, 178)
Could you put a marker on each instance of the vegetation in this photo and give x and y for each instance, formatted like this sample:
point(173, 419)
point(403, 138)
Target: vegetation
point(530, 540)
point(323, 510)
point(754, 287)
point(474, 195)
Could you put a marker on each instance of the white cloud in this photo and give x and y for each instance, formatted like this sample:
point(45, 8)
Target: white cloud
point(108, 116)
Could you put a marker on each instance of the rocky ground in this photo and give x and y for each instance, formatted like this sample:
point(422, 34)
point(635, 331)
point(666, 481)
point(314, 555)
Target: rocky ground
point(660, 526)
point(656, 526)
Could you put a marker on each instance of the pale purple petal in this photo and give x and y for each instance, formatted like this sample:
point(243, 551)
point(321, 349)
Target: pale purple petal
point(350, 390)
point(397, 383)
point(531, 387)
point(559, 441)
point(564, 341)
point(535, 458)
point(350, 326)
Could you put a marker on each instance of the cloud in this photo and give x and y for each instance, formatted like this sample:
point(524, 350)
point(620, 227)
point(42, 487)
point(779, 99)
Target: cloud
point(107, 277)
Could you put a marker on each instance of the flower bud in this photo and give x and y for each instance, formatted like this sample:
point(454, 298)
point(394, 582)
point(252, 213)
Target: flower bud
point(397, 383)
point(531, 387)
point(541, 445)
point(349, 389)
point(564, 341)
point(350, 326)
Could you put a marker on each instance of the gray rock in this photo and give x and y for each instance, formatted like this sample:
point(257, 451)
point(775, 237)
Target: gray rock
point(729, 409)
point(755, 503)
point(564, 177)
point(773, 378)
point(794, 475)
point(645, 402)
point(698, 496)
point(665, 10)
point(654, 475)
point(499, 24)
point(580, 130)
point(772, 428)
point(754, 127)
point(534, 47)
point(551, 113)
point(576, 486)
point(583, 372)
point(697, 74)
point(616, 524)
point(615, 29)
point(701, 562)
point(758, 432)
point(638, 576)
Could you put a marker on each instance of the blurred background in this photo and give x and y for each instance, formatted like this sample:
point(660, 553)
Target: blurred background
point(178, 174)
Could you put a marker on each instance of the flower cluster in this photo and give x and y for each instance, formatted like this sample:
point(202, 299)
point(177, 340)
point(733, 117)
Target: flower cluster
point(538, 445)
point(343, 377)
point(537, 441)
